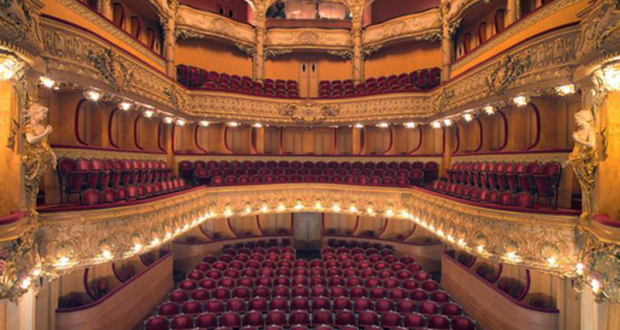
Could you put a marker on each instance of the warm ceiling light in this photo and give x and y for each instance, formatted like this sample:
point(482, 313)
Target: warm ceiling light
point(106, 254)
point(148, 113)
point(336, 207)
point(181, 122)
point(358, 125)
point(389, 213)
point(566, 90)
point(489, 109)
point(611, 78)
point(409, 125)
point(447, 122)
point(93, 96)
point(26, 283)
point(353, 209)
point(137, 247)
point(436, 124)
point(520, 100)
point(168, 120)
point(299, 206)
point(125, 106)
point(233, 124)
point(47, 82)
point(552, 261)
point(318, 205)
point(204, 123)
point(228, 212)
point(7, 69)
point(258, 125)
point(383, 125)
point(579, 268)
point(468, 117)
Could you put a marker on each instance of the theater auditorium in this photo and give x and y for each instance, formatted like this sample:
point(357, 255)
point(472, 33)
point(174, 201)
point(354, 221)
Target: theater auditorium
point(309, 164)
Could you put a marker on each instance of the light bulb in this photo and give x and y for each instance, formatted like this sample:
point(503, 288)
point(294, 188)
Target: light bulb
point(125, 106)
point(447, 122)
point(436, 124)
point(26, 283)
point(148, 113)
point(552, 261)
point(520, 100)
point(106, 254)
point(353, 209)
point(318, 205)
point(611, 78)
point(181, 122)
point(389, 213)
point(336, 207)
point(579, 268)
point(489, 109)
point(258, 125)
point(596, 285)
point(358, 125)
point(137, 247)
point(383, 125)
point(168, 120)
point(47, 82)
point(468, 117)
point(93, 96)
point(7, 69)
point(566, 90)
point(204, 123)
point(409, 125)
point(233, 124)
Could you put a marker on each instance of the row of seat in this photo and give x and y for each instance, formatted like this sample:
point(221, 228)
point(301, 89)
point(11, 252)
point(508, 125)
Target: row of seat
point(196, 78)
point(115, 179)
point(405, 82)
point(381, 173)
point(406, 297)
point(484, 195)
point(534, 178)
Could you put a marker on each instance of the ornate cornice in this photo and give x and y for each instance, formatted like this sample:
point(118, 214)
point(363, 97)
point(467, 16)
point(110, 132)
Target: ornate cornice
point(419, 26)
point(75, 153)
point(195, 23)
point(301, 158)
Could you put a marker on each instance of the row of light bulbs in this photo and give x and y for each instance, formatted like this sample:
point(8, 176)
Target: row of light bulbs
point(520, 101)
point(107, 254)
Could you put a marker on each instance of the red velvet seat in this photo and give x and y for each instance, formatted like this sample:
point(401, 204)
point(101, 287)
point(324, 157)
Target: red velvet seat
point(367, 318)
point(299, 317)
point(391, 320)
point(258, 304)
point(169, 309)
point(321, 303)
point(276, 317)
point(384, 305)
point(156, 323)
point(322, 317)
point(206, 321)
point(182, 322)
point(231, 320)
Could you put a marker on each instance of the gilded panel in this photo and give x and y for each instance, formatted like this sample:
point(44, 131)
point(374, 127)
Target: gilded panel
point(309, 38)
point(194, 23)
point(419, 26)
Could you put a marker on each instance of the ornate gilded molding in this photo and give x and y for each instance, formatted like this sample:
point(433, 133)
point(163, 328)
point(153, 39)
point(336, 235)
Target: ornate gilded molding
point(302, 158)
point(601, 267)
point(514, 30)
point(65, 243)
point(195, 23)
point(525, 157)
point(75, 153)
point(345, 54)
point(110, 66)
point(371, 49)
point(507, 71)
point(275, 52)
point(418, 26)
point(309, 113)
point(309, 38)
point(248, 50)
point(83, 11)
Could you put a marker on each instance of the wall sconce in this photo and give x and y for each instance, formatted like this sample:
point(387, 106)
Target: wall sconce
point(204, 123)
point(358, 125)
point(93, 95)
point(383, 125)
point(181, 122)
point(468, 117)
point(8, 67)
point(148, 113)
point(447, 122)
point(489, 110)
point(125, 106)
point(436, 124)
point(611, 77)
point(233, 124)
point(409, 125)
point(258, 125)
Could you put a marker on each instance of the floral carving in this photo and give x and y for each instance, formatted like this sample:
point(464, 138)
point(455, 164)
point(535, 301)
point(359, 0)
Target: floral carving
point(309, 113)
point(112, 69)
point(507, 71)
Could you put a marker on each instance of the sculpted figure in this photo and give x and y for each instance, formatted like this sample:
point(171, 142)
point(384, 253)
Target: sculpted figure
point(37, 153)
point(583, 157)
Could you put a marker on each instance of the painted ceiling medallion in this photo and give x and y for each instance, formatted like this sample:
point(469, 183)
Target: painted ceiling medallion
point(309, 113)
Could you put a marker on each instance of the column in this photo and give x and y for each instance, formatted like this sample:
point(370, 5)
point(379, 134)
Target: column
point(446, 43)
point(169, 44)
point(358, 59)
point(512, 12)
point(259, 53)
point(21, 315)
point(106, 9)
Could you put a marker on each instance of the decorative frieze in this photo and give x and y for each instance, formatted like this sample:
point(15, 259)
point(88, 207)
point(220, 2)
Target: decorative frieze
point(309, 38)
point(195, 23)
point(418, 26)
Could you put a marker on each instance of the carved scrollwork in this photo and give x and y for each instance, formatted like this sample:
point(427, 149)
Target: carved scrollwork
point(112, 68)
point(19, 260)
point(248, 50)
point(369, 50)
point(309, 113)
point(346, 54)
point(275, 52)
point(601, 262)
point(506, 73)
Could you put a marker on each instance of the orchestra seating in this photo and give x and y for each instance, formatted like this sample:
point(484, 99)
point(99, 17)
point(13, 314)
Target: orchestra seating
point(507, 184)
point(406, 82)
point(196, 78)
point(357, 286)
point(104, 181)
point(257, 172)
